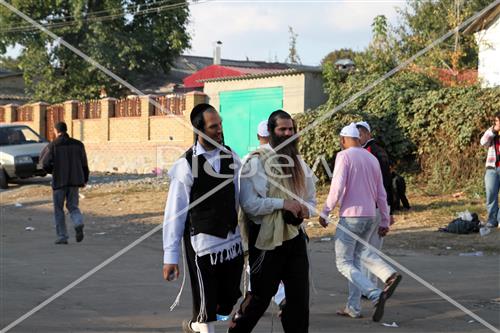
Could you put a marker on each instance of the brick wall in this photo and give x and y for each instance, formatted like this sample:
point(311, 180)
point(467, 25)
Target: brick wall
point(123, 144)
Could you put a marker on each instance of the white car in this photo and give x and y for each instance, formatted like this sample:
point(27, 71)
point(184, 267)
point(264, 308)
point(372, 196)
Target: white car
point(20, 148)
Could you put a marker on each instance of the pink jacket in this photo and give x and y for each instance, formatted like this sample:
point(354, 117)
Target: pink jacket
point(357, 186)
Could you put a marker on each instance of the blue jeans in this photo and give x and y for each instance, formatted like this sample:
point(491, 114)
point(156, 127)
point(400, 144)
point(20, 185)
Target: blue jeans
point(352, 255)
point(70, 195)
point(376, 241)
point(492, 185)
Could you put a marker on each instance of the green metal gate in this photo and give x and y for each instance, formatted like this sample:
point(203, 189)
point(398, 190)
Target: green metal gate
point(242, 111)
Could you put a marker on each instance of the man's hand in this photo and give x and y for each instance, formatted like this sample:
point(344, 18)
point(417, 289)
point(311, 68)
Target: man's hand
point(293, 206)
point(382, 231)
point(391, 220)
point(304, 212)
point(323, 222)
point(170, 272)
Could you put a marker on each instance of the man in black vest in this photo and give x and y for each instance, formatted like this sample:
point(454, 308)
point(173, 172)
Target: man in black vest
point(201, 210)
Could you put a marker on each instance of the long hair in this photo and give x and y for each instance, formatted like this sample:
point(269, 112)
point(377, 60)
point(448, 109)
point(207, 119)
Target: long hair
point(297, 179)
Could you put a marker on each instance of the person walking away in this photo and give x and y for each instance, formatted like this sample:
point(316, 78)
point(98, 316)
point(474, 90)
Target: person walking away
point(66, 160)
point(357, 185)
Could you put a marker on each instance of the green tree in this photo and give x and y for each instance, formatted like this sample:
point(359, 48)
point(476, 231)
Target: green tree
point(293, 55)
point(379, 30)
point(423, 21)
point(129, 37)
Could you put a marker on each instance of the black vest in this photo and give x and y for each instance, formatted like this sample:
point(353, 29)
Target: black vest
point(215, 215)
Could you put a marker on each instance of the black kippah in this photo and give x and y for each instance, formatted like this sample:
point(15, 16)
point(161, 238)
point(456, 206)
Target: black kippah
point(198, 109)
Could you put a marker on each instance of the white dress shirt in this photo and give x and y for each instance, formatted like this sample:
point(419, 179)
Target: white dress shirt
point(254, 189)
point(181, 181)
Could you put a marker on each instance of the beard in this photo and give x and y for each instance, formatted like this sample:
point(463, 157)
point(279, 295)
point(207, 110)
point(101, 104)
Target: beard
point(291, 150)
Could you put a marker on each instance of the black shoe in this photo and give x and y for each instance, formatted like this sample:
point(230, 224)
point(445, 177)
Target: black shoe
point(392, 283)
point(378, 313)
point(186, 327)
point(79, 233)
point(61, 241)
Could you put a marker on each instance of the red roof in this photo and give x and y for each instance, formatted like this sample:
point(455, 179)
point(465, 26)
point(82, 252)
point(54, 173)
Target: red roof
point(218, 71)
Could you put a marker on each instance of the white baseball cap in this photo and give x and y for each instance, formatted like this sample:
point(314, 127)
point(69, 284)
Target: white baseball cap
point(262, 129)
point(350, 131)
point(364, 124)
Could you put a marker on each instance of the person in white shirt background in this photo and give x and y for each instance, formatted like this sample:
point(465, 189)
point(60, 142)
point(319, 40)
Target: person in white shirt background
point(205, 180)
point(263, 134)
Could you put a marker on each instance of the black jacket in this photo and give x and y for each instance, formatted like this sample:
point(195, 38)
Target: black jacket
point(66, 160)
point(383, 159)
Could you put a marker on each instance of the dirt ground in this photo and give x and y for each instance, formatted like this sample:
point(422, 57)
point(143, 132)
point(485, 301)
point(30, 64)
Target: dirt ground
point(414, 230)
point(130, 296)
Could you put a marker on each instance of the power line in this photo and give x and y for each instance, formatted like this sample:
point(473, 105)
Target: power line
point(92, 14)
point(105, 17)
point(94, 19)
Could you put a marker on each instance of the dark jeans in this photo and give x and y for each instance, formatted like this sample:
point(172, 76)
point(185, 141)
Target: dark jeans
point(70, 195)
point(287, 263)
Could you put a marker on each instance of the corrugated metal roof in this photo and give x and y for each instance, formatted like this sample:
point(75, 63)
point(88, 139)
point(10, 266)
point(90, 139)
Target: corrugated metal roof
point(291, 71)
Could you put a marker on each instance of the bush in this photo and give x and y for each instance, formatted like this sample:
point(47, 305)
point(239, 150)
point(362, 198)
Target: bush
point(429, 130)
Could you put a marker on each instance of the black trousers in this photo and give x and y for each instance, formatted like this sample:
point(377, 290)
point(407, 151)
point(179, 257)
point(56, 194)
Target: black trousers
point(221, 283)
point(287, 263)
point(399, 192)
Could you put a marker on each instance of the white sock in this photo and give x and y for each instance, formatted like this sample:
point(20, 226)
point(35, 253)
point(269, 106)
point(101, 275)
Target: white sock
point(203, 327)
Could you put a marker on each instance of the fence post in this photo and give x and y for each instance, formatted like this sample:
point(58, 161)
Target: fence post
point(10, 113)
point(70, 113)
point(147, 110)
point(107, 109)
point(39, 110)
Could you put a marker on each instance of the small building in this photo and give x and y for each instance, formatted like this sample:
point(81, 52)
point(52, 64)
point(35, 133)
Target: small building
point(486, 31)
point(245, 100)
point(12, 88)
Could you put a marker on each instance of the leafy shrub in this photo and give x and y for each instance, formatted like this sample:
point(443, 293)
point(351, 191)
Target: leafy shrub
point(427, 129)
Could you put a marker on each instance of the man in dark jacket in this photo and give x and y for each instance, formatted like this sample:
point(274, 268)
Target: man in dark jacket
point(365, 137)
point(66, 160)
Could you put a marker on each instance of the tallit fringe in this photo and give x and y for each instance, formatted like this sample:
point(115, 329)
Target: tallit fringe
point(178, 298)
point(257, 265)
point(202, 316)
point(232, 252)
point(311, 277)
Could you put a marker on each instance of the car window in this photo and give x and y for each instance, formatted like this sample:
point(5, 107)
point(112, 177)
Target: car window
point(18, 136)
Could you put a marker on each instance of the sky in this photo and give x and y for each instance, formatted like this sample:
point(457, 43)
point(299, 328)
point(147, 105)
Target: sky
point(258, 29)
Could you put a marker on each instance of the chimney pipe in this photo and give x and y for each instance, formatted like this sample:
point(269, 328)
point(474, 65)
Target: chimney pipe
point(217, 48)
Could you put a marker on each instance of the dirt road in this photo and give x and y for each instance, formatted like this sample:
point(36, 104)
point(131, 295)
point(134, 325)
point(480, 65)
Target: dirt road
point(129, 295)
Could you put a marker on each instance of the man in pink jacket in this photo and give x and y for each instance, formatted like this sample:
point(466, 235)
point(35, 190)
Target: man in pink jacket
point(358, 188)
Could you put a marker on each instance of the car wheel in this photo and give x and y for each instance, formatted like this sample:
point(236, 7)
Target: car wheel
point(3, 179)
